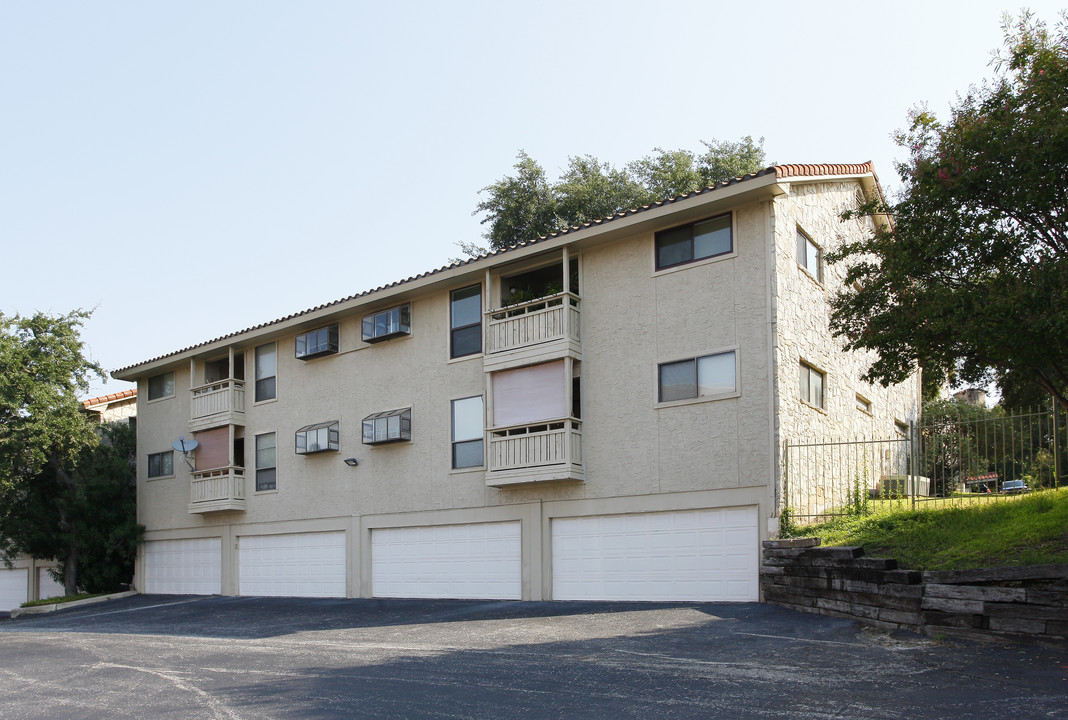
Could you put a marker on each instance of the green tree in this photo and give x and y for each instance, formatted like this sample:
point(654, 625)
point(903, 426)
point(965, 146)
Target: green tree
point(668, 173)
point(527, 205)
point(589, 190)
point(92, 519)
point(970, 277)
point(725, 160)
point(51, 465)
point(959, 440)
point(519, 207)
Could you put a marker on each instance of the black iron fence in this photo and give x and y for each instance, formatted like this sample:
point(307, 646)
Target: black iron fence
point(943, 461)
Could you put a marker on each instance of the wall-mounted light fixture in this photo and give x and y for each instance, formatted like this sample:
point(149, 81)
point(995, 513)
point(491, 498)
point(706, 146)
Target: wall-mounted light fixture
point(352, 462)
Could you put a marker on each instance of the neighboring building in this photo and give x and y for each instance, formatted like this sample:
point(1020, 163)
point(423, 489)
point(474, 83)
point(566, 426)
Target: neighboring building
point(598, 414)
point(113, 407)
point(971, 396)
point(28, 578)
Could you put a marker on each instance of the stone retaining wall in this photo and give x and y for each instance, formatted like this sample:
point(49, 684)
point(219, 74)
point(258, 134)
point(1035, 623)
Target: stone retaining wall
point(842, 582)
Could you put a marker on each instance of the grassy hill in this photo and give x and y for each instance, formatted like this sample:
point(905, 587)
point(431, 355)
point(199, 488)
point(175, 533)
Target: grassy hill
point(1022, 530)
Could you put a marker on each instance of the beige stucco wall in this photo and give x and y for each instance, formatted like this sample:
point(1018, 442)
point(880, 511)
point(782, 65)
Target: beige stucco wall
point(633, 318)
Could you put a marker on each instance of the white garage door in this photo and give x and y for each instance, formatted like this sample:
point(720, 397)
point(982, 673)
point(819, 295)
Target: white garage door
point(295, 565)
point(478, 561)
point(706, 555)
point(47, 587)
point(13, 588)
point(184, 567)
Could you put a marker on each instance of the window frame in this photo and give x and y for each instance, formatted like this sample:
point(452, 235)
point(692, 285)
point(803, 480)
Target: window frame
point(698, 397)
point(333, 437)
point(454, 329)
point(804, 242)
point(332, 346)
point(404, 323)
point(160, 456)
point(256, 379)
point(373, 421)
point(692, 259)
point(148, 390)
point(258, 468)
point(805, 390)
point(467, 441)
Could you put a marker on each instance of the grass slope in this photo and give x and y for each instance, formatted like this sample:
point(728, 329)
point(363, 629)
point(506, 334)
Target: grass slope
point(1029, 530)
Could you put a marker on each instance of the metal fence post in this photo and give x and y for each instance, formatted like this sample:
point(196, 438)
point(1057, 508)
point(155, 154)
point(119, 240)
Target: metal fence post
point(1056, 450)
point(913, 468)
point(784, 501)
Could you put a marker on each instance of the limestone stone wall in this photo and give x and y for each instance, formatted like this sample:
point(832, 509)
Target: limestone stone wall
point(802, 314)
point(802, 311)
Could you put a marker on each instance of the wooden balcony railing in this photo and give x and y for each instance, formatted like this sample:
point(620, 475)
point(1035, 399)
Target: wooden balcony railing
point(218, 403)
point(555, 317)
point(535, 453)
point(217, 489)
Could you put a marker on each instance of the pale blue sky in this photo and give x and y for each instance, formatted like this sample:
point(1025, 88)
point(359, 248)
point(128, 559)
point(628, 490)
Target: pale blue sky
point(194, 168)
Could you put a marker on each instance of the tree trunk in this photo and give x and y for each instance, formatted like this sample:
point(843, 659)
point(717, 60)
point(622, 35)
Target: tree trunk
point(70, 563)
point(70, 566)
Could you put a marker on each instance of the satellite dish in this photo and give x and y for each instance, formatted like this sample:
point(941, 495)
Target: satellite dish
point(184, 446)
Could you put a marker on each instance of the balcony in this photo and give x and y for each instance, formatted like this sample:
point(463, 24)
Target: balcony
point(540, 329)
point(217, 490)
point(546, 452)
point(218, 403)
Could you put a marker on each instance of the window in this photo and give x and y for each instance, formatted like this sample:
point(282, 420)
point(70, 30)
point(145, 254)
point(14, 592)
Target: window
point(465, 321)
point(161, 464)
point(696, 241)
point(811, 385)
point(387, 324)
point(809, 256)
point(387, 427)
point(467, 429)
point(320, 437)
point(161, 386)
point(901, 428)
point(266, 369)
point(317, 343)
point(863, 404)
point(698, 377)
point(266, 470)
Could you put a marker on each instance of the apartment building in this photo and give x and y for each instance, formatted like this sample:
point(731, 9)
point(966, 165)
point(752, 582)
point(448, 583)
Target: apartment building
point(597, 414)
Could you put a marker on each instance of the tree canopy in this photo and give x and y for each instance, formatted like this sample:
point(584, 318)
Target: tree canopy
point(53, 468)
point(970, 277)
point(527, 205)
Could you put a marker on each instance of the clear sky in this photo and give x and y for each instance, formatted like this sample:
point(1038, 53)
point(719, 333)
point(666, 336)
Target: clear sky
point(190, 169)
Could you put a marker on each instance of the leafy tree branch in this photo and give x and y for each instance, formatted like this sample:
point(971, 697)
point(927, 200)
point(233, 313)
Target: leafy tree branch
point(968, 275)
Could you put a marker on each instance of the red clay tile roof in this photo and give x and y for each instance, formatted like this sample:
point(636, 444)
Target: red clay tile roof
point(783, 171)
point(780, 171)
point(112, 397)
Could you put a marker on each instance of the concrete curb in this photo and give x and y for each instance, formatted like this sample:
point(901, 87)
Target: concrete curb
point(52, 607)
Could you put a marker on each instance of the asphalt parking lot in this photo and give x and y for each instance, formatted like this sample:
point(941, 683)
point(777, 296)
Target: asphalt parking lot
point(232, 658)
